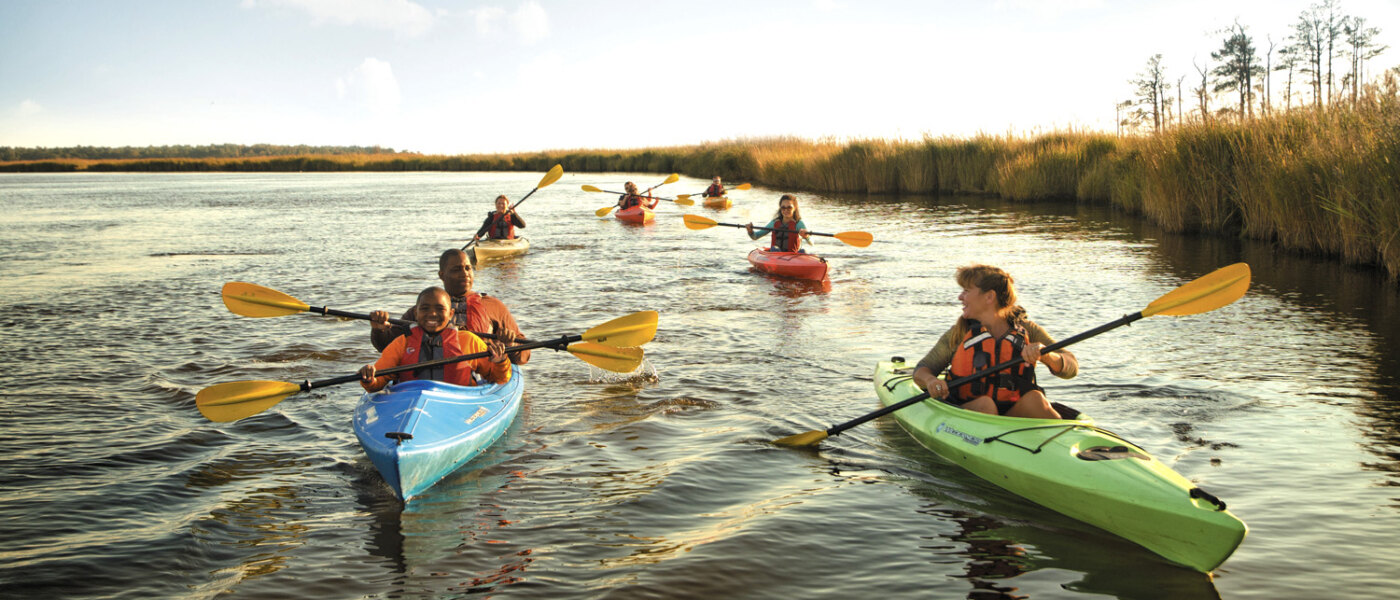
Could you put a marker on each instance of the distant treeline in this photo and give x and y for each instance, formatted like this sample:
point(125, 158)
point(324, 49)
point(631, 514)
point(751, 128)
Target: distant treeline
point(9, 154)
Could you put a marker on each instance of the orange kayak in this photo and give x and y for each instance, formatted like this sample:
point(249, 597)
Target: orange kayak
point(718, 202)
point(635, 214)
point(797, 265)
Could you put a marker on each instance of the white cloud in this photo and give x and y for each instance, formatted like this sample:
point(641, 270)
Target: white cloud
point(486, 18)
point(29, 108)
point(530, 22)
point(373, 84)
point(401, 16)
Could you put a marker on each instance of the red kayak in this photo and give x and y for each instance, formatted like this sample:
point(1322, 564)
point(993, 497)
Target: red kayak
point(635, 214)
point(797, 265)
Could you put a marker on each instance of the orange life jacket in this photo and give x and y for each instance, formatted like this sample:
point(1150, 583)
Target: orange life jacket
point(785, 238)
point(502, 228)
point(979, 350)
point(630, 200)
point(448, 345)
point(715, 190)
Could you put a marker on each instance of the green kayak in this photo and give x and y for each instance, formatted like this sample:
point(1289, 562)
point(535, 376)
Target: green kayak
point(1072, 467)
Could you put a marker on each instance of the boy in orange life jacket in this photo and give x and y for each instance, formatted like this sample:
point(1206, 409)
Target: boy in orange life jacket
point(500, 224)
point(434, 338)
point(715, 190)
point(992, 330)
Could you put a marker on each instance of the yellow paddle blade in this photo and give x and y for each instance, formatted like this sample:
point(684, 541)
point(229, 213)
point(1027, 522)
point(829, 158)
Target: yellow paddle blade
point(680, 197)
point(617, 360)
point(672, 179)
point(859, 239)
point(251, 300)
point(811, 438)
point(603, 212)
point(1206, 293)
point(632, 330)
point(590, 188)
point(684, 201)
point(226, 402)
point(552, 176)
point(744, 186)
point(698, 222)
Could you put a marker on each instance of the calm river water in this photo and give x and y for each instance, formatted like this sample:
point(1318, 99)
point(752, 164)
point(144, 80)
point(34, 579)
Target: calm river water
point(662, 484)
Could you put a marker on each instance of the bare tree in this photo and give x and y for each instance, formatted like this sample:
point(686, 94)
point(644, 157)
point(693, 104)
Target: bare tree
point(1309, 38)
point(1151, 88)
point(1288, 60)
point(1203, 92)
point(1180, 109)
point(1363, 48)
point(1267, 103)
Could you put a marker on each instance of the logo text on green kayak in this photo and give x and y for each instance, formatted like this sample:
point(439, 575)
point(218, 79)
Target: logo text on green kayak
point(476, 415)
point(966, 437)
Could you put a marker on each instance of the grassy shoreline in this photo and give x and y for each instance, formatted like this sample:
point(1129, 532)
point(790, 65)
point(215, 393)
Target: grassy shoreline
point(1316, 181)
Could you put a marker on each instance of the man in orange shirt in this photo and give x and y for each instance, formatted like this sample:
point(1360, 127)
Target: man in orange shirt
point(434, 338)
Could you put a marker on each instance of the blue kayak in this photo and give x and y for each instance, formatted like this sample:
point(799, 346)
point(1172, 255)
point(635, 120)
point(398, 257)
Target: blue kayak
point(418, 432)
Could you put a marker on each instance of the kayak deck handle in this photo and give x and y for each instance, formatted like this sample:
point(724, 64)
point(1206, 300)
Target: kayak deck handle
point(398, 436)
point(1208, 497)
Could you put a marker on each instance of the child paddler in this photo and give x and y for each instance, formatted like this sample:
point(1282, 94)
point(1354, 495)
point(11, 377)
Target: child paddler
point(471, 311)
point(787, 227)
point(500, 224)
point(435, 338)
point(635, 198)
point(715, 190)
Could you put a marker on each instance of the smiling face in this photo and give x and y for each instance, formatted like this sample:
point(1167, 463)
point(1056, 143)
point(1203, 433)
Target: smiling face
point(978, 304)
point(502, 203)
point(457, 274)
point(434, 310)
point(786, 207)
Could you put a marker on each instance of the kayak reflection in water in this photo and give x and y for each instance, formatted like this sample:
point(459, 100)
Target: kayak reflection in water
point(787, 227)
point(500, 224)
point(435, 338)
point(992, 330)
point(634, 198)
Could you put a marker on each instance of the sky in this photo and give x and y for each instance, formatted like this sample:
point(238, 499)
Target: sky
point(459, 77)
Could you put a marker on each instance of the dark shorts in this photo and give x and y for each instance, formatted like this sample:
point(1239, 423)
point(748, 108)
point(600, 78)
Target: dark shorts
point(1003, 406)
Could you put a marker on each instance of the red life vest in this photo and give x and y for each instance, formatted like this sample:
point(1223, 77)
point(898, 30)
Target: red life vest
point(979, 350)
point(785, 238)
point(715, 190)
point(414, 352)
point(501, 228)
point(468, 314)
point(630, 200)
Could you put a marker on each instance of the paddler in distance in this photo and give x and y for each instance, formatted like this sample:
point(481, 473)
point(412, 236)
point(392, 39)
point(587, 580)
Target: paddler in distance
point(435, 338)
point(500, 224)
point(633, 198)
point(715, 190)
point(471, 311)
point(992, 330)
point(787, 227)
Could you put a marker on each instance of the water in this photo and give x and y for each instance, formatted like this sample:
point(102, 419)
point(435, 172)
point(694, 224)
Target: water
point(659, 484)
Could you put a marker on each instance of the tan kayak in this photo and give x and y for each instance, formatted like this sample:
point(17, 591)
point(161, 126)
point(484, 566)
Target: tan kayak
point(488, 250)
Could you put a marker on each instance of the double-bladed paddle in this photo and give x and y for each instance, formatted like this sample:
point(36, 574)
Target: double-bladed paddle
point(552, 176)
point(603, 212)
point(610, 346)
point(1206, 293)
point(742, 186)
point(859, 239)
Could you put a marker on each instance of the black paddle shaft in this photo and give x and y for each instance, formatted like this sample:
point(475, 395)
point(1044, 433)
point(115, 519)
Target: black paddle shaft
point(771, 229)
point(331, 312)
point(1125, 320)
point(559, 343)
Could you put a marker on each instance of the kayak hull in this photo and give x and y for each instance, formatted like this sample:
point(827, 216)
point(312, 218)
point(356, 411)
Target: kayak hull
point(635, 214)
point(796, 265)
point(718, 202)
point(443, 426)
point(489, 250)
point(1076, 469)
